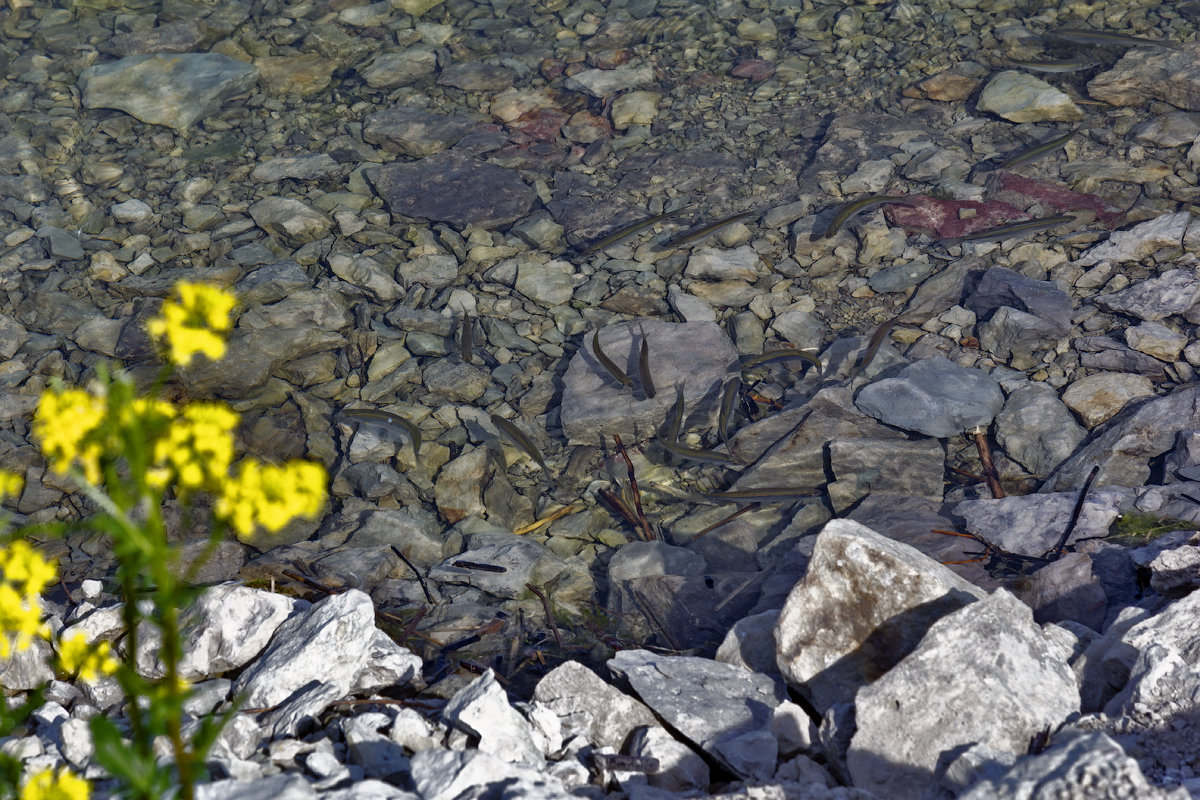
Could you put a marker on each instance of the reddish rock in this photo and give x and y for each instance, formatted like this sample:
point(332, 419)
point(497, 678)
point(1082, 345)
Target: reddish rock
point(945, 219)
point(1021, 191)
point(585, 128)
point(540, 124)
point(552, 68)
point(756, 69)
point(609, 59)
point(950, 85)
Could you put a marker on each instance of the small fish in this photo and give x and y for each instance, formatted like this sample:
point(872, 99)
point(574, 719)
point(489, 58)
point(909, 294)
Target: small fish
point(1012, 229)
point(475, 565)
point(692, 453)
point(466, 339)
point(1035, 152)
point(644, 369)
point(518, 437)
point(770, 494)
point(776, 355)
point(1061, 65)
point(1109, 39)
point(728, 398)
point(696, 234)
point(872, 348)
point(675, 421)
point(850, 209)
point(607, 362)
point(622, 234)
point(384, 422)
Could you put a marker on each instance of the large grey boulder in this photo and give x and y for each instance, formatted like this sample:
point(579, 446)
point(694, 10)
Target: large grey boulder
point(863, 605)
point(984, 675)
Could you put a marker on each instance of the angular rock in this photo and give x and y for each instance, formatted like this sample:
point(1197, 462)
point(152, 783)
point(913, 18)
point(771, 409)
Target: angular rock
point(1004, 287)
point(1145, 74)
point(691, 357)
point(863, 605)
point(1021, 97)
point(1016, 336)
point(1032, 524)
point(326, 645)
point(1099, 396)
point(481, 708)
point(171, 90)
point(722, 709)
point(791, 448)
point(450, 187)
point(588, 706)
point(290, 220)
point(1124, 446)
point(1173, 292)
point(985, 674)
point(935, 397)
point(1084, 766)
point(1036, 429)
point(1139, 241)
point(415, 132)
point(227, 627)
point(439, 774)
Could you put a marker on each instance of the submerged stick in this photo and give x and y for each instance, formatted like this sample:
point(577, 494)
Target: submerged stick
point(989, 468)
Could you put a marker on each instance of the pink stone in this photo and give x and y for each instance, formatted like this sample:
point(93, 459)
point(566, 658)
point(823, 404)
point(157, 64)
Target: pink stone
point(756, 69)
point(1025, 191)
point(943, 219)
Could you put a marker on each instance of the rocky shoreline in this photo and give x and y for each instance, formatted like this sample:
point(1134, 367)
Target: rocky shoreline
point(426, 212)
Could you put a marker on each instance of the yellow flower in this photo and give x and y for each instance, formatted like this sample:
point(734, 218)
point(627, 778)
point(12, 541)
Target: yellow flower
point(271, 496)
point(60, 784)
point(10, 483)
point(195, 322)
point(25, 569)
point(66, 422)
point(197, 449)
point(23, 576)
point(78, 657)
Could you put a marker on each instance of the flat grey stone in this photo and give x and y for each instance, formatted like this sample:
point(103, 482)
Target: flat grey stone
point(450, 187)
point(935, 397)
point(692, 357)
point(415, 132)
point(172, 90)
point(722, 709)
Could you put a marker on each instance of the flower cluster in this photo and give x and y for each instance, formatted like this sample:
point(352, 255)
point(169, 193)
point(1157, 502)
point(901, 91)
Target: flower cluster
point(69, 425)
point(127, 451)
point(77, 656)
point(197, 449)
point(195, 322)
point(271, 496)
point(23, 576)
point(59, 784)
